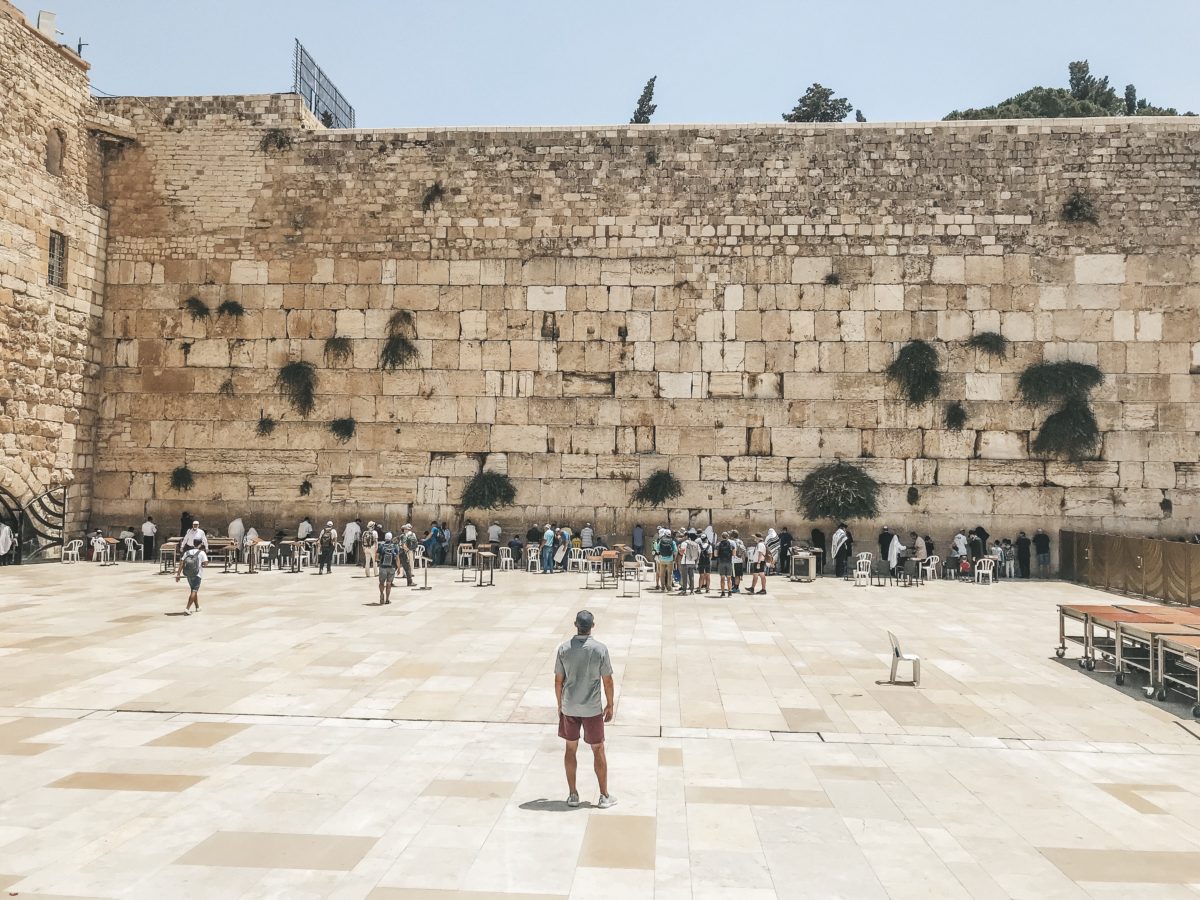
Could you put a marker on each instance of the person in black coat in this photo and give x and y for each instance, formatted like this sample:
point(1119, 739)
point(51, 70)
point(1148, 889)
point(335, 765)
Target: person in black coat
point(885, 542)
point(817, 537)
point(783, 563)
point(185, 523)
point(1023, 544)
point(983, 536)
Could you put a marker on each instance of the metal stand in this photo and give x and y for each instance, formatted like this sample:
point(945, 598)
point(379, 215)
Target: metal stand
point(425, 586)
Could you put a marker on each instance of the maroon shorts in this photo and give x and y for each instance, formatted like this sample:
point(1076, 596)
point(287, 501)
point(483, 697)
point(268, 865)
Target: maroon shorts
point(592, 726)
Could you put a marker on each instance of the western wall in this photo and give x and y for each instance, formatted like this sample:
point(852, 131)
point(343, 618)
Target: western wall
point(593, 304)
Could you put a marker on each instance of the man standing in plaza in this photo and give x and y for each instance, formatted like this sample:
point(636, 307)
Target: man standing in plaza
point(1041, 546)
point(1023, 544)
point(581, 668)
point(149, 535)
point(689, 561)
point(408, 548)
point(389, 553)
point(195, 533)
point(326, 541)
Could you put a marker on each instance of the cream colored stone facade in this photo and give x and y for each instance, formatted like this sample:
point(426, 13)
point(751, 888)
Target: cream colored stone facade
point(592, 304)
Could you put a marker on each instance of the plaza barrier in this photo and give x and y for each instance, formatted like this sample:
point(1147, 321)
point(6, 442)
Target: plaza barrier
point(1135, 566)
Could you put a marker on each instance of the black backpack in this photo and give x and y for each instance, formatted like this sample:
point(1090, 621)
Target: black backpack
point(666, 547)
point(326, 539)
point(387, 555)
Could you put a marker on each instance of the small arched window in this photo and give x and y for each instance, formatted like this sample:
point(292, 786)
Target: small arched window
point(56, 148)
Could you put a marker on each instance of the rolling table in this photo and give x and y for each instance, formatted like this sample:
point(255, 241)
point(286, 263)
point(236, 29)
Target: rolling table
point(1184, 678)
point(1131, 638)
point(1091, 616)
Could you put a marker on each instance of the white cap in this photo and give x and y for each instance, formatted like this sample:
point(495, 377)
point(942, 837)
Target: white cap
point(387, 536)
point(407, 527)
point(329, 524)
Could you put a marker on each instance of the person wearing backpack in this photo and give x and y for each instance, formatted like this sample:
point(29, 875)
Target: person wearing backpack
point(408, 547)
point(724, 554)
point(191, 565)
point(389, 553)
point(739, 560)
point(665, 557)
point(326, 541)
point(370, 547)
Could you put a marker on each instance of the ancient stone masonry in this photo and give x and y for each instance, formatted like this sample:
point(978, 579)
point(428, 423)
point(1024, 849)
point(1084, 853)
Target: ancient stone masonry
point(593, 304)
point(586, 306)
point(49, 333)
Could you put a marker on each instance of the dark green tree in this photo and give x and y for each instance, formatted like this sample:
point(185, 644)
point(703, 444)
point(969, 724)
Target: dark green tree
point(819, 105)
point(645, 105)
point(858, 116)
point(1087, 88)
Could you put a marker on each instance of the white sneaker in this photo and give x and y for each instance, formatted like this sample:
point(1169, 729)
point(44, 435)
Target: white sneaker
point(572, 799)
point(606, 801)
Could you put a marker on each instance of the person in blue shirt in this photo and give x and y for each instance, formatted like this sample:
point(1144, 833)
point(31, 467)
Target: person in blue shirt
point(548, 550)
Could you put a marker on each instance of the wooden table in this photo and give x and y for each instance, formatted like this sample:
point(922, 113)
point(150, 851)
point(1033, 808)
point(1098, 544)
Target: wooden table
point(485, 568)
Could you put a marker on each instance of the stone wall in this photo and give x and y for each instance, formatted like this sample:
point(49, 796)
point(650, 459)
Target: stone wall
point(593, 304)
point(49, 336)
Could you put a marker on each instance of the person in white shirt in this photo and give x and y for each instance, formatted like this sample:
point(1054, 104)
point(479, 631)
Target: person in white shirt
point(471, 533)
point(494, 532)
point(195, 533)
point(191, 564)
point(350, 535)
point(587, 537)
point(99, 546)
point(304, 530)
point(689, 559)
point(758, 557)
point(149, 535)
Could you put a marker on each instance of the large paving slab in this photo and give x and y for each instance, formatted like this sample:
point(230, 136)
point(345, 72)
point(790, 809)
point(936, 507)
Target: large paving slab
point(297, 740)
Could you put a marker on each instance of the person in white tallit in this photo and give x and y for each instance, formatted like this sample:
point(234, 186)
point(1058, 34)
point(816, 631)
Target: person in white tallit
point(6, 542)
point(895, 550)
point(841, 549)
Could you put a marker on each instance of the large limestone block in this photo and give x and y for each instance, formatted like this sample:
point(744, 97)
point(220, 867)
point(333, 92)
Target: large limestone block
point(1002, 445)
point(811, 269)
point(1006, 471)
point(1101, 268)
point(548, 298)
point(948, 270)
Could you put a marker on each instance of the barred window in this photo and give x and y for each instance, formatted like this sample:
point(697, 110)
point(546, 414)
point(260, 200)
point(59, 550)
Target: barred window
point(56, 272)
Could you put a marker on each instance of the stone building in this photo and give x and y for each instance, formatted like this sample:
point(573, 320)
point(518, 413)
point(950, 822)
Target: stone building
point(587, 306)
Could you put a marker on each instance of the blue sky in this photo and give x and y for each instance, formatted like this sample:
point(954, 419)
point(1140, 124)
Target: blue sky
point(529, 62)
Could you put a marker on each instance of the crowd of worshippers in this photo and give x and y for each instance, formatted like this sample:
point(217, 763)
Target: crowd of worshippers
point(1012, 557)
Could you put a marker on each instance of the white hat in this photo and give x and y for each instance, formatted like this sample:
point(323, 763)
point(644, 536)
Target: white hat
point(329, 524)
point(370, 524)
point(407, 527)
point(388, 536)
point(195, 522)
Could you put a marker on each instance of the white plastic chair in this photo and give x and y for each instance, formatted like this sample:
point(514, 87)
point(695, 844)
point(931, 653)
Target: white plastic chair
point(929, 568)
point(339, 554)
point(898, 657)
point(133, 550)
point(645, 567)
point(862, 572)
point(985, 568)
point(533, 559)
point(466, 555)
point(575, 560)
point(71, 551)
point(506, 558)
point(304, 554)
point(869, 557)
point(420, 560)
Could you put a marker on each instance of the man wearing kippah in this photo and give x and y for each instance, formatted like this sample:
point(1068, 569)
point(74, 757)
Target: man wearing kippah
point(581, 667)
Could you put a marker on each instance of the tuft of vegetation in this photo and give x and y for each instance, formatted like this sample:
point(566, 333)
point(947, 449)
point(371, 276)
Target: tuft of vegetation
point(275, 139)
point(1049, 382)
point(838, 490)
point(196, 308)
point(338, 350)
point(915, 369)
point(488, 490)
point(819, 105)
point(398, 348)
point(955, 416)
point(913, 496)
point(266, 426)
point(186, 348)
point(1080, 207)
point(182, 479)
point(297, 381)
point(1166, 506)
point(659, 489)
point(992, 343)
point(327, 119)
point(343, 429)
point(226, 388)
point(231, 308)
point(645, 106)
point(305, 488)
point(433, 194)
point(1070, 432)
point(652, 157)
point(833, 279)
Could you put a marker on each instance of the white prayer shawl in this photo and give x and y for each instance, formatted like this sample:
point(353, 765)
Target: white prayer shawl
point(711, 535)
point(894, 551)
point(237, 530)
point(6, 539)
point(839, 539)
point(251, 537)
point(960, 544)
point(350, 534)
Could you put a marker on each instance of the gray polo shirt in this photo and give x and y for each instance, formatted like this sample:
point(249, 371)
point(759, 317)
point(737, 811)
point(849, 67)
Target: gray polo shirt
point(582, 661)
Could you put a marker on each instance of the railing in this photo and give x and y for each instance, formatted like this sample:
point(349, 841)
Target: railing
point(1136, 566)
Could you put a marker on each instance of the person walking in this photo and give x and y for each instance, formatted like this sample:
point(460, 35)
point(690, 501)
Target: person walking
point(389, 552)
point(1023, 545)
point(760, 559)
point(665, 559)
point(191, 565)
point(149, 536)
point(725, 564)
point(689, 561)
point(842, 547)
point(326, 541)
point(704, 565)
point(408, 547)
point(1041, 546)
point(582, 669)
point(370, 549)
point(195, 533)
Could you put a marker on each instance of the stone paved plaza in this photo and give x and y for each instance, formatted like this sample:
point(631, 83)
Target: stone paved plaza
point(296, 740)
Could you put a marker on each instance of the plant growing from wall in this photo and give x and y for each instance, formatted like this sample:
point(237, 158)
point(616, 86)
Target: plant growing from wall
point(337, 349)
point(1080, 207)
point(196, 308)
point(915, 370)
point(343, 429)
point(231, 308)
point(955, 416)
point(833, 279)
point(658, 490)
point(275, 139)
point(913, 496)
point(297, 381)
point(1071, 430)
point(838, 490)
point(305, 488)
point(226, 388)
point(433, 195)
point(993, 343)
point(266, 425)
point(182, 479)
point(186, 348)
point(398, 348)
point(488, 490)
